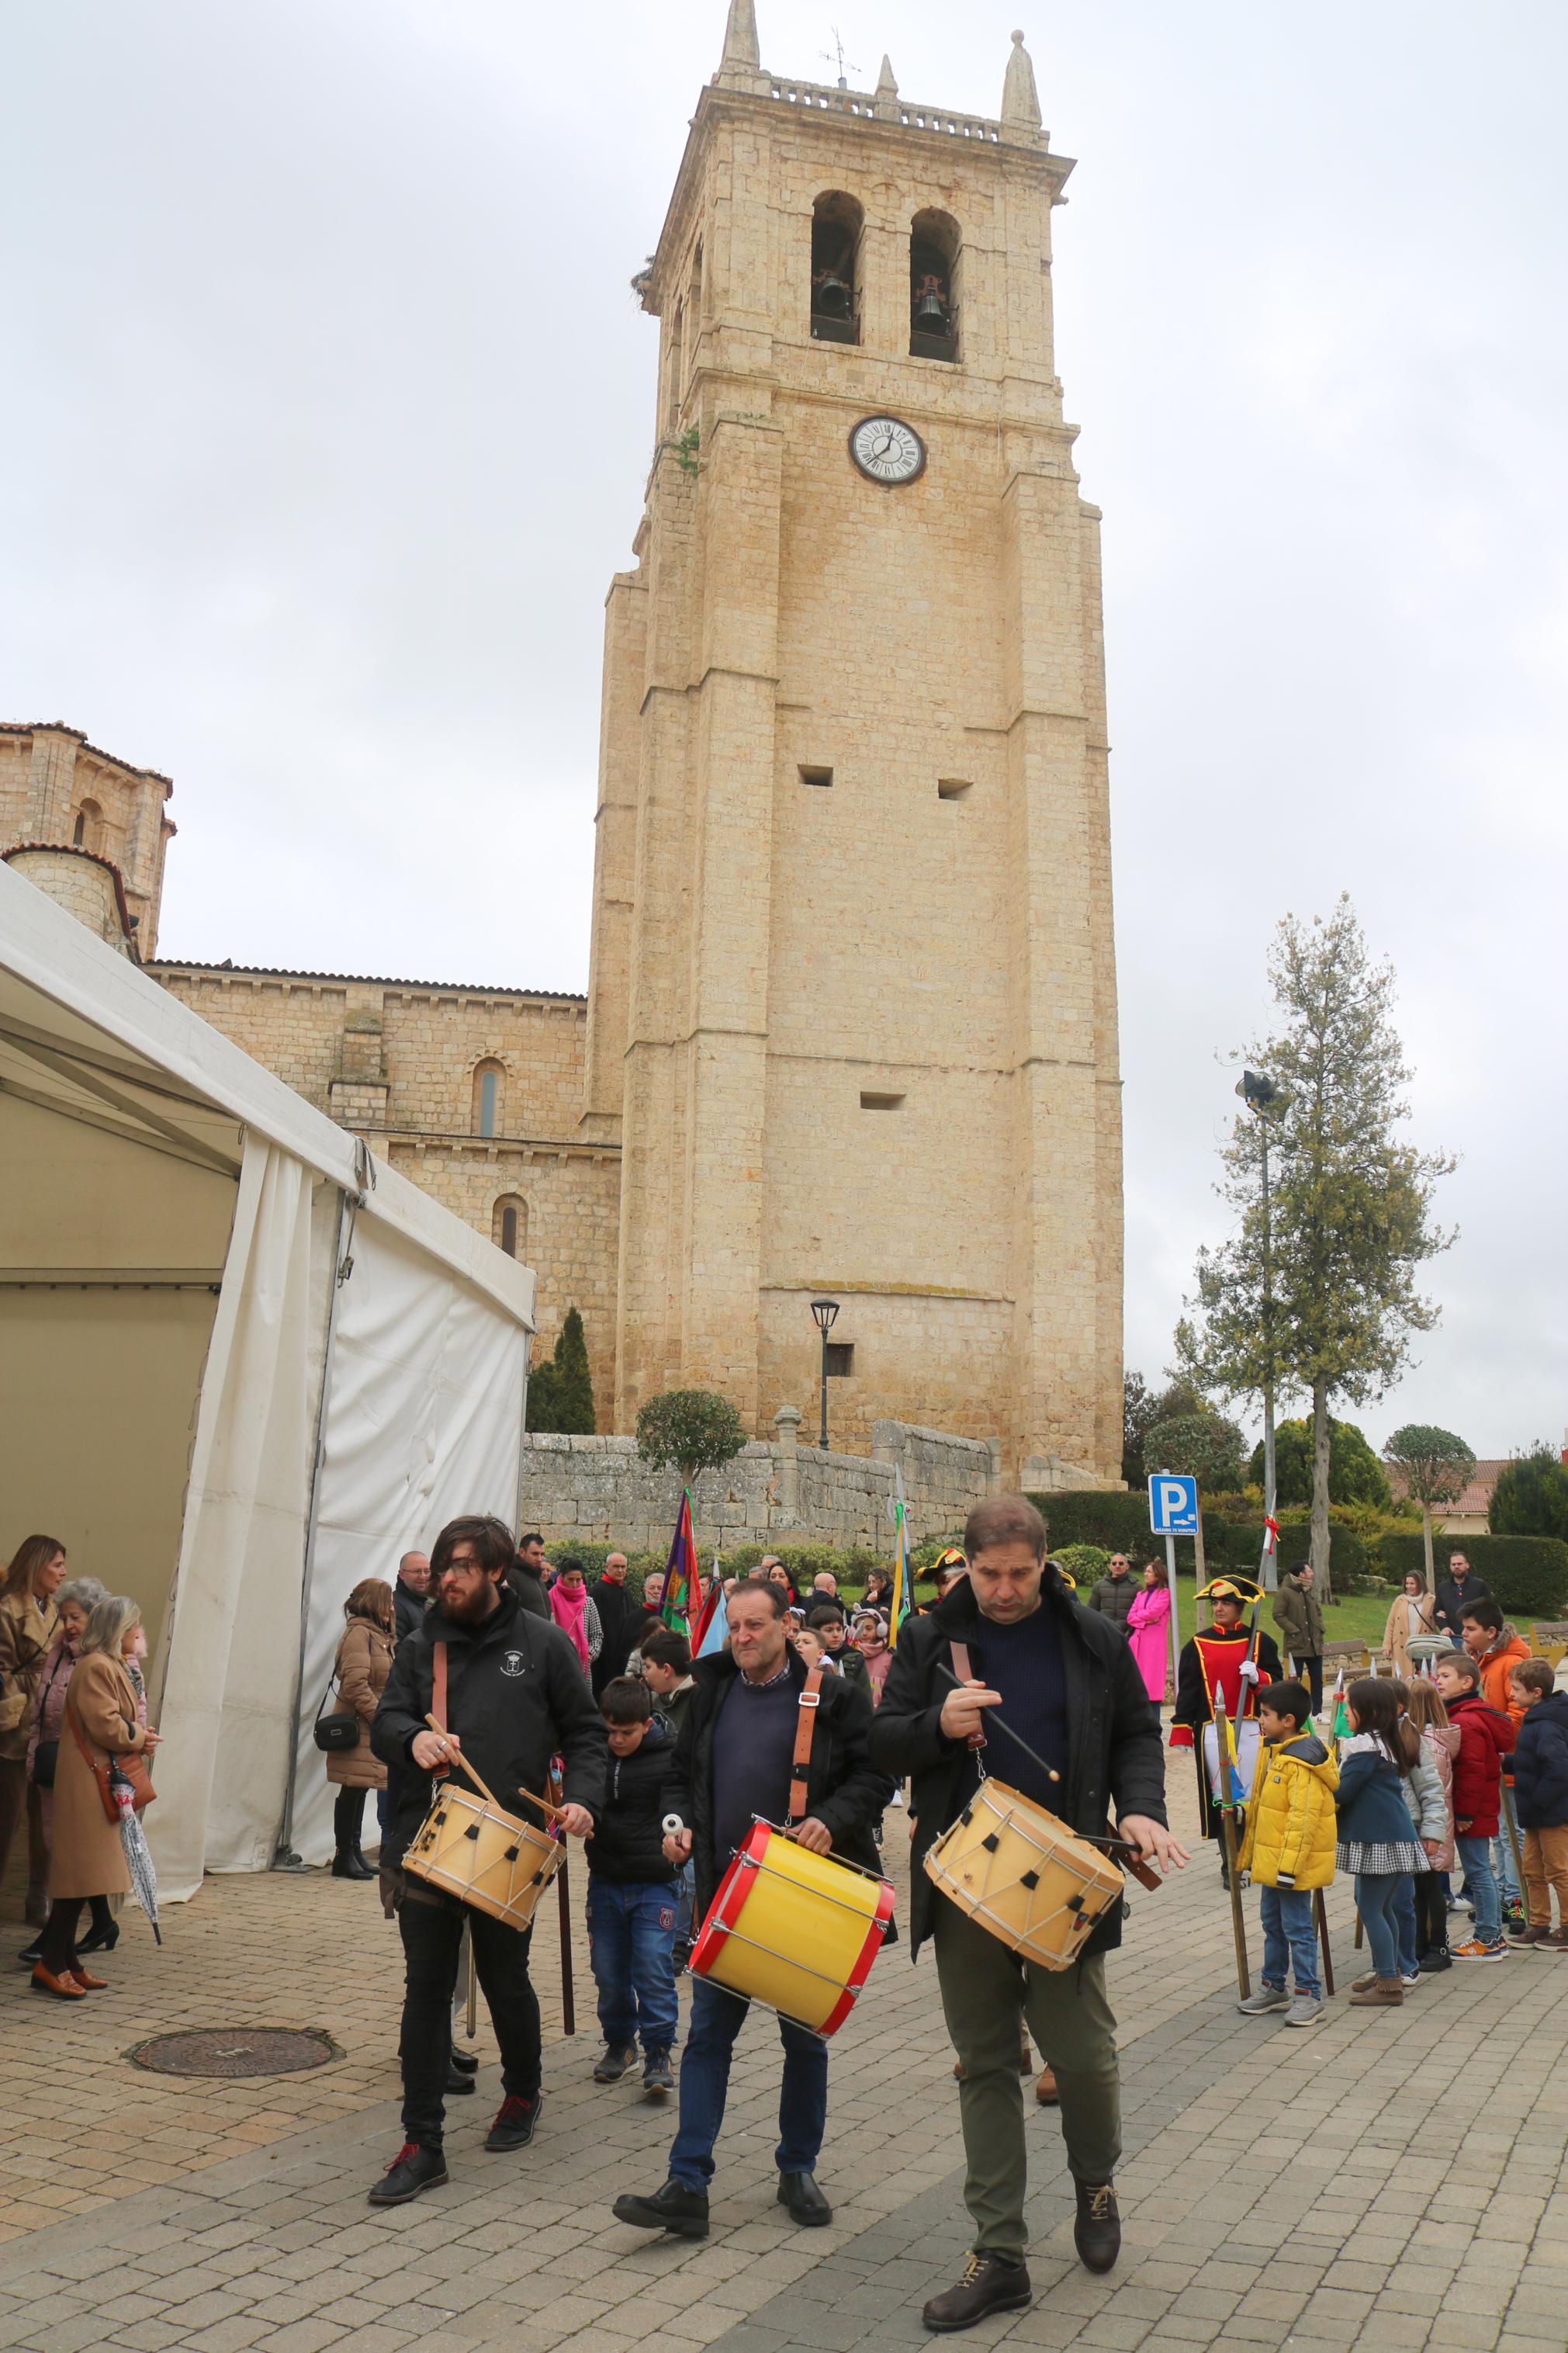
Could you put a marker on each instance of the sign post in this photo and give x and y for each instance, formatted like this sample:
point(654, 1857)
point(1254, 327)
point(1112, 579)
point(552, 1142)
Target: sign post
point(1172, 1513)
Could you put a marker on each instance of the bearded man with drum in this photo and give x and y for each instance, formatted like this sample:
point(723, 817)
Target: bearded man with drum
point(734, 1763)
point(515, 1697)
point(1064, 1679)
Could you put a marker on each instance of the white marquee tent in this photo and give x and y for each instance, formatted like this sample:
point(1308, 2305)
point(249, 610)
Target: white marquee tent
point(242, 1364)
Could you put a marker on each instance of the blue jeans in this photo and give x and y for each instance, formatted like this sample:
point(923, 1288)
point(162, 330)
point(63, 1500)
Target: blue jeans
point(1377, 1900)
point(1404, 1923)
point(717, 2018)
point(631, 1944)
point(1502, 1865)
point(1289, 1941)
point(1481, 1887)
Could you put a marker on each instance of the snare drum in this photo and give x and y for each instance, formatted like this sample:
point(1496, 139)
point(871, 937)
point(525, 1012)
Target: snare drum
point(1019, 1873)
point(483, 1856)
point(796, 1931)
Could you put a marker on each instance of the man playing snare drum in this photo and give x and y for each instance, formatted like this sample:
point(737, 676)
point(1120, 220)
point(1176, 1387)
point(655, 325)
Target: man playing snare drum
point(1064, 1680)
point(515, 1697)
point(734, 1762)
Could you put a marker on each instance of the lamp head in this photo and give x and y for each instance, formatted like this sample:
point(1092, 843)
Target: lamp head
point(1256, 1092)
point(825, 1310)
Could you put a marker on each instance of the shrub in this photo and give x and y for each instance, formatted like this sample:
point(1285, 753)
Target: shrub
point(560, 1394)
point(1084, 1564)
point(694, 1429)
point(1528, 1574)
point(1530, 1498)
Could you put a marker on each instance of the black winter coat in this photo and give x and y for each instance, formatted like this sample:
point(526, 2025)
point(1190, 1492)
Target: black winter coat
point(1450, 1601)
point(620, 1616)
point(627, 1844)
point(843, 1788)
point(529, 1591)
point(1113, 1597)
point(1540, 1765)
point(515, 1696)
point(408, 1609)
point(1113, 1732)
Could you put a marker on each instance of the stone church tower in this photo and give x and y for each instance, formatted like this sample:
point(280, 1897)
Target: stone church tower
point(852, 1010)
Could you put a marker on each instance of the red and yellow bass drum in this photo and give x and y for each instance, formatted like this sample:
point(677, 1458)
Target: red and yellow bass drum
point(796, 1931)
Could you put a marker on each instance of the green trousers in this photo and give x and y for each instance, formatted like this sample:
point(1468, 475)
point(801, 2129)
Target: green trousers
point(986, 1992)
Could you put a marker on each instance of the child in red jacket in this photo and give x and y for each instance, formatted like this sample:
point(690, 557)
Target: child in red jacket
point(1485, 1739)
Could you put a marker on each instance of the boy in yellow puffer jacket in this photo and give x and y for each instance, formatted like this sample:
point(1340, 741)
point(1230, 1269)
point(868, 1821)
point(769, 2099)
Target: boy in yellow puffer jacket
point(1288, 1848)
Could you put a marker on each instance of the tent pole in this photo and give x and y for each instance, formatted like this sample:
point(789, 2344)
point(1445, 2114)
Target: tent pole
point(284, 1857)
point(523, 1433)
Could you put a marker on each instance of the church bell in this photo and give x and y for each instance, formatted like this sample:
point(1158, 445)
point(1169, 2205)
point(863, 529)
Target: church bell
point(832, 297)
point(930, 312)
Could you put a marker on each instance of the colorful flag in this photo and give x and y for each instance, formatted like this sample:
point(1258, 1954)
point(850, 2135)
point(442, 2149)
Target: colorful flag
point(1339, 1714)
point(682, 1599)
point(713, 1628)
point(900, 1603)
point(712, 1601)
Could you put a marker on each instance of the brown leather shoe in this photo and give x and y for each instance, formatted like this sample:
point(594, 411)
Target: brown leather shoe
point(87, 1982)
point(1045, 2087)
point(989, 2284)
point(1383, 1993)
point(65, 1988)
point(1096, 2226)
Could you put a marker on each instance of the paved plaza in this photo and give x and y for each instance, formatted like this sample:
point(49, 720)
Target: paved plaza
point(1382, 2182)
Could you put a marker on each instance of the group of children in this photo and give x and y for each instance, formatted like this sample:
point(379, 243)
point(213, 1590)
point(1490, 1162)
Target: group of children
point(1417, 1785)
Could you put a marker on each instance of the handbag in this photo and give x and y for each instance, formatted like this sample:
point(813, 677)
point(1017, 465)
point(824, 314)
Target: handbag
point(334, 1733)
point(45, 1757)
point(126, 1765)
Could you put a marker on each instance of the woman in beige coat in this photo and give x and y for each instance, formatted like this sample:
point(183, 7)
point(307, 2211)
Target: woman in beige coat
point(362, 1664)
point(87, 1857)
point(1413, 1612)
point(28, 1624)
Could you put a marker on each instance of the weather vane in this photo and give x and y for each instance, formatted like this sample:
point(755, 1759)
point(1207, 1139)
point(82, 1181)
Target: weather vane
point(836, 56)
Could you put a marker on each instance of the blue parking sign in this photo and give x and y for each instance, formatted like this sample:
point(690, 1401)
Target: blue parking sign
point(1172, 1504)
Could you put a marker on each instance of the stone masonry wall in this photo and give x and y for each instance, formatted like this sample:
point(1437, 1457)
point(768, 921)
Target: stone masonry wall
point(599, 1490)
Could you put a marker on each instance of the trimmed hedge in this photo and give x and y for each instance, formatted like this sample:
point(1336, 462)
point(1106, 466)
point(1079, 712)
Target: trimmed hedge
point(1528, 1574)
point(1118, 1521)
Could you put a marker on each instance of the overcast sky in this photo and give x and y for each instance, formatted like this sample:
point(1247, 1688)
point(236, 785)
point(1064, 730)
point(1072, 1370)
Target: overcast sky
point(327, 413)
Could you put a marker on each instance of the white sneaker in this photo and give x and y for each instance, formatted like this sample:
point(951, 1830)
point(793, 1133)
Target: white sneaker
point(1413, 1979)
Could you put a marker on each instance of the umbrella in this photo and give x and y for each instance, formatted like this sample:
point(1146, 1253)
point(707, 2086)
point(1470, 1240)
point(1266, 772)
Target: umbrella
point(139, 1861)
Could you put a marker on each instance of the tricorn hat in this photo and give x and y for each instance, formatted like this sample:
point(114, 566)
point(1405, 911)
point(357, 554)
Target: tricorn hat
point(1229, 1588)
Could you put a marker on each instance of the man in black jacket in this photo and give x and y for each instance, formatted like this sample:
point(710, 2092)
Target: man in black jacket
point(411, 1595)
point(1064, 1679)
point(526, 1576)
point(620, 1616)
point(515, 1697)
point(733, 1761)
point(1456, 1587)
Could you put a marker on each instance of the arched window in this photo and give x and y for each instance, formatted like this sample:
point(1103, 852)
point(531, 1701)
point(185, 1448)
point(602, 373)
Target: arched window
point(508, 1228)
point(88, 831)
point(836, 221)
point(934, 246)
point(487, 1098)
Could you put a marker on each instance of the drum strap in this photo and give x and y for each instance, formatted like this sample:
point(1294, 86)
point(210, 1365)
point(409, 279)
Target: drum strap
point(965, 1673)
point(438, 1701)
point(806, 1726)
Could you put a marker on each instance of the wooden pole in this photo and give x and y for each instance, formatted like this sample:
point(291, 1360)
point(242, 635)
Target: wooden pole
point(1228, 1839)
point(563, 1899)
point(1322, 1912)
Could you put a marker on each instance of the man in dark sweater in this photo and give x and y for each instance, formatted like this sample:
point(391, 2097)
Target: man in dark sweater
point(733, 1761)
point(1063, 1681)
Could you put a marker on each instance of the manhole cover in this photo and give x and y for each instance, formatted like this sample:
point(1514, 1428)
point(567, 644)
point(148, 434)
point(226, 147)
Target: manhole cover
point(237, 2051)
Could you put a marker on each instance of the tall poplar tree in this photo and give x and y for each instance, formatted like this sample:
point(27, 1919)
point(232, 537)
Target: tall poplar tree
point(1352, 1199)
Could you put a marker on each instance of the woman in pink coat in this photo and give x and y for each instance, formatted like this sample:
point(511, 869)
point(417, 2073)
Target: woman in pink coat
point(1149, 1630)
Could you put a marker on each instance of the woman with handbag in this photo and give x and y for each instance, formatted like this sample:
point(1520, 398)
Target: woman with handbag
point(361, 1670)
point(27, 1627)
point(100, 1732)
point(75, 1601)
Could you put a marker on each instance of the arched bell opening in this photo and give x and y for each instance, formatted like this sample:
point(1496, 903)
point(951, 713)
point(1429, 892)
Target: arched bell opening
point(836, 222)
point(935, 244)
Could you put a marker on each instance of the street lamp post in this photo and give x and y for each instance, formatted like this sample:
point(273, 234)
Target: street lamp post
point(827, 1313)
point(1257, 1093)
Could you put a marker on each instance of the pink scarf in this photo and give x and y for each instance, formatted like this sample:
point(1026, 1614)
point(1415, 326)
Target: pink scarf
point(568, 1610)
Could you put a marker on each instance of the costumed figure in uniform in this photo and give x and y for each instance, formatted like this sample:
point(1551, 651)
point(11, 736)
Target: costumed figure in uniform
point(1011, 1637)
point(1232, 1657)
point(764, 1740)
point(508, 1690)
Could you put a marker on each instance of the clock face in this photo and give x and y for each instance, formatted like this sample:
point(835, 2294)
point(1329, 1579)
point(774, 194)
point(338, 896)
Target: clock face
point(885, 451)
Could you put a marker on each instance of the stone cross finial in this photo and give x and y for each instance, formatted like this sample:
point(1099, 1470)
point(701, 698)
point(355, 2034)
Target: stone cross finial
point(1020, 99)
point(887, 95)
point(740, 68)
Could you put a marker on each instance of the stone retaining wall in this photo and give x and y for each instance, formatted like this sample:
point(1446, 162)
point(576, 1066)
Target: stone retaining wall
point(599, 1490)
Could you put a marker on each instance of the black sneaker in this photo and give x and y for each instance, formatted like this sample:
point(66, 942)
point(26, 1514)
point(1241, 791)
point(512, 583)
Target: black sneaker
point(989, 2284)
point(413, 2169)
point(681, 2211)
point(1436, 1959)
point(468, 2062)
point(619, 2059)
point(515, 2120)
point(655, 2074)
point(1097, 2229)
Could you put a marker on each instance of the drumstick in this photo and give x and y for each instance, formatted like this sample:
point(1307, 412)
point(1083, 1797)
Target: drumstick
point(1135, 1862)
point(552, 1812)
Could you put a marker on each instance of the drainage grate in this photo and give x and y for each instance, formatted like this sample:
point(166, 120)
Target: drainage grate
point(237, 2051)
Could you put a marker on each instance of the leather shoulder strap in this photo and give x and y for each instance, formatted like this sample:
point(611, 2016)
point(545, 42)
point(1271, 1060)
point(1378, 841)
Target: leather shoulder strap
point(965, 1673)
point(805, 1730)
point(438, 1694)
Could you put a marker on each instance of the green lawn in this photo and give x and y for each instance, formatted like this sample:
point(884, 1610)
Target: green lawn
point(1359, 1618)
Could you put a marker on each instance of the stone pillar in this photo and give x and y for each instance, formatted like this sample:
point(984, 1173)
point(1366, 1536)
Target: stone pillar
point(786, 1421)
